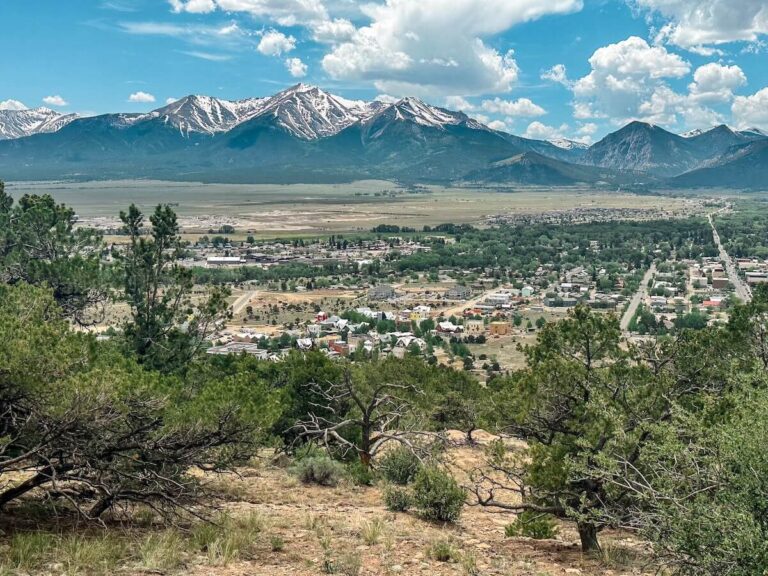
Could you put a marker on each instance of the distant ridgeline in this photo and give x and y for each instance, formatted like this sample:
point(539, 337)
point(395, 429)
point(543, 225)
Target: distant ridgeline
point(304, 134)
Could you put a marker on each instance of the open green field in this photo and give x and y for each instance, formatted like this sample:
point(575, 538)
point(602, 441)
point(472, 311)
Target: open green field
point(306, 209)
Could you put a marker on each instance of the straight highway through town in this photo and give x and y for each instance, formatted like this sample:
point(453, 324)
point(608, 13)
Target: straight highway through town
point(742, 290)
point(638, 298)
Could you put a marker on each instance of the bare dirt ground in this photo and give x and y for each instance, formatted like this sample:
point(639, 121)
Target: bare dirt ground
point(316, 523)
point(305, 529)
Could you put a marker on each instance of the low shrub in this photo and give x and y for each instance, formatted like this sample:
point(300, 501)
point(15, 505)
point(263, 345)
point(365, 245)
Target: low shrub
point(397, 499)
point(319, 470)
point(361, 475)
point(443, 551)
point(400, 466)
point(437, 495)
point(371, 531)
point(532, 525)
point(276, 543)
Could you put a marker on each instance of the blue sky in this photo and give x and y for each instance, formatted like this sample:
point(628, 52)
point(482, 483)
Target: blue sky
point(544, 68)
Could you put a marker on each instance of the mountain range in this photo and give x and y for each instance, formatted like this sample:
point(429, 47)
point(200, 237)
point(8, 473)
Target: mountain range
point(304, 134)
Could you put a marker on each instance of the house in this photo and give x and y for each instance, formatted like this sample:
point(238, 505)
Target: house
point(225, 261)
point(448, 328)
point(500, 328)
point(720, 283)
point(474, 327)
point(527, 291)
point(561, 302)
point(404, 343)
point(757, 278)
point(305, 343)
point(381, 292)
point(421, 312)
point(459, 292)
point(341, 348)
point(239, 348)
point(248, 337)
point(658, 302)
point(498, 298)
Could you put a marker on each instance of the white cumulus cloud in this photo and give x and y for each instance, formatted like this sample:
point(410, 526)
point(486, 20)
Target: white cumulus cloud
point(12, 105)
point(499, 125)
point(459, 103)
point(714, 82)
point(697, 23)
point(296, 67)
point(274, 43)
point(433, 47)
point(751, 111)
point(520, 107)
point(55, 101)
point(627, 82)
point(539, 131)
point(141, 97)
point(333, 31)
point(193, 6)
point(558, 74)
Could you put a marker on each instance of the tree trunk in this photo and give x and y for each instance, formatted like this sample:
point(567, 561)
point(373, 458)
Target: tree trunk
point(365, 445)
point(43, 476)
point(101, 506)
point(588, 536)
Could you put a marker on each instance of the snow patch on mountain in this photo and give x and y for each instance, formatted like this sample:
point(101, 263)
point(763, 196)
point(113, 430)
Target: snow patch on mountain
point(207, 115)
point(566, 144)
point(310, 113)
point(21, 123)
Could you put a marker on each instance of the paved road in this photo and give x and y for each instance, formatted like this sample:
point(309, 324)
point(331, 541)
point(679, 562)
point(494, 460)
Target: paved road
point(638, 298)
point(742, 290)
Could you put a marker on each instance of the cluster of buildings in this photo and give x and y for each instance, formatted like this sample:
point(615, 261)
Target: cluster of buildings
point(265, 255)
point(755, 271)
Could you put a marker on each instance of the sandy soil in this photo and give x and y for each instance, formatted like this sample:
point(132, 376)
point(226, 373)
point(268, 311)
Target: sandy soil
point(303, 516)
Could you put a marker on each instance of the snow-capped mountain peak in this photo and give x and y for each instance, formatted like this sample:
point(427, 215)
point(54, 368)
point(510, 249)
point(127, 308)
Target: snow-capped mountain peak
point(693, 133)
point(416, 110)
point(206, 114)
point(21, 123)
point(310, 113)
point(720, 128)
point(756, 131)
point(566, 144)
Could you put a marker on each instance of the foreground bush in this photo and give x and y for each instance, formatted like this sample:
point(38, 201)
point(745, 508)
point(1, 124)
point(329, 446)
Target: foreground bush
point(532, 525)
point(360, 474)
point(437, 495)
point(397, 499)
point(320, 470)
point(400, 466)
point(77, 413)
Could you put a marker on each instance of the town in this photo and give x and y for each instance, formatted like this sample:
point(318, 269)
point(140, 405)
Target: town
point(354, 296)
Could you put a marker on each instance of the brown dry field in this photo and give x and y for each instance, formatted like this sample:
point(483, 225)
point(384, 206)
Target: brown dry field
point(269, 211)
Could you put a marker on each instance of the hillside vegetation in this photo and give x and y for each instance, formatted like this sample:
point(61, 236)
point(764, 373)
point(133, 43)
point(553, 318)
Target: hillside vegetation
point(139, 453)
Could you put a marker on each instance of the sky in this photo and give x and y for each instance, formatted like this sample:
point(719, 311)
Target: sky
point(575, 69)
